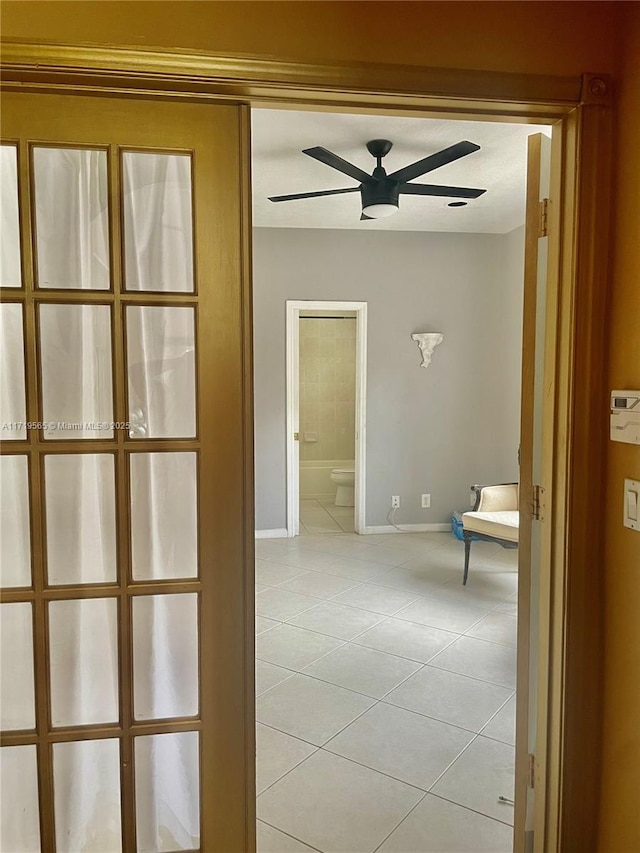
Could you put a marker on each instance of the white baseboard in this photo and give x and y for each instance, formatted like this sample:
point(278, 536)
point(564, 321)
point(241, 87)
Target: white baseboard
point(409, 528)
point(281, 532)
point(277, 533)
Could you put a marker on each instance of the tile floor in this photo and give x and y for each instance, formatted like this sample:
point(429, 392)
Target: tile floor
point(385, 693)
point(321, 515)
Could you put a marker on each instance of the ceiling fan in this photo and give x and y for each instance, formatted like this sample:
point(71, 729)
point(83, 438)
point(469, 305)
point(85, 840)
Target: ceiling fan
point(380, 192)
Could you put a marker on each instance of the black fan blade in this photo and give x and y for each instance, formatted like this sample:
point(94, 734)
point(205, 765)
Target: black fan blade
point(313, 195)
point(331, 159)
point(446, 192)
point(434, 161)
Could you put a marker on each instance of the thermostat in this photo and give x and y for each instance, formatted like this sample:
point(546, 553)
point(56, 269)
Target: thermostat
point(625, 416)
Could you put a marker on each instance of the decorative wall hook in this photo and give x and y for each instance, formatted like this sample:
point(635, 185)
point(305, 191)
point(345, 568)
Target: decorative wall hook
point(427, 341)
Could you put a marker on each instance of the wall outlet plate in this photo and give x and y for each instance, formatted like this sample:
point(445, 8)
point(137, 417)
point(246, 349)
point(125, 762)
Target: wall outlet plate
point(426, 501)
point(395, 501)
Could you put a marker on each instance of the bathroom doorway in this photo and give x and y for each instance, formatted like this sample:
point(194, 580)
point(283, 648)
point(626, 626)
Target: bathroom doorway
point(326, 416)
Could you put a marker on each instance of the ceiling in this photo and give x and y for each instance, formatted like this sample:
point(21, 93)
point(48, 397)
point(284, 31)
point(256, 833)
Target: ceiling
point(280, 167)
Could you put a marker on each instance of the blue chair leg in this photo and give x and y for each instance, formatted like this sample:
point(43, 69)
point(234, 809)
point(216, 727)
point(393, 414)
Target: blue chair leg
point(467, 553)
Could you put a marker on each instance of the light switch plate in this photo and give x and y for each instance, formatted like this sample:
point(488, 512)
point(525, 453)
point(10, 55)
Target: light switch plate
point(631, 508)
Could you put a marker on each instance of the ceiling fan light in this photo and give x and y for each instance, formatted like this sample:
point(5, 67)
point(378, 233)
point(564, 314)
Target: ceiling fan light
point(380, 211)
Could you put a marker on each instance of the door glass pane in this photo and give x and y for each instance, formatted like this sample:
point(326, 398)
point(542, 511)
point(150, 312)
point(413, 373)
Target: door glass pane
point(165, 656)
point(164, 532)
point(167, 792)
point(86, 780)
point(13, 408)
point(81, 518)
point(161, 361)
point(15, 548)
point(71, 218)
point(17, 707)
point(75, 358)
point(83, 646)
point(158, 231)
point(10, 265)
point(19, 827)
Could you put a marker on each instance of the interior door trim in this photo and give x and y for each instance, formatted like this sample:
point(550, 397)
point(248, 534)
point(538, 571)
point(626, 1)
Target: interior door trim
point(192, 73)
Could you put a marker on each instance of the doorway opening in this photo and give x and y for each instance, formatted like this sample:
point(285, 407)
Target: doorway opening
point(579, 109)
point(375, 665)
point(325, 419)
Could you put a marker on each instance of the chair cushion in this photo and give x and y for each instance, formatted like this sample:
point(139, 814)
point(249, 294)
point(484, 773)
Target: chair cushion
point(499, 498)
point(502, 525)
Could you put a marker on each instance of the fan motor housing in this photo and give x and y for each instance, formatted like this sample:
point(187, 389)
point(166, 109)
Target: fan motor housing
point(380, 192)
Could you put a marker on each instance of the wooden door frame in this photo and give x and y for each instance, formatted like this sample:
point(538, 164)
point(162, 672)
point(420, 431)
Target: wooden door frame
point(579, 107)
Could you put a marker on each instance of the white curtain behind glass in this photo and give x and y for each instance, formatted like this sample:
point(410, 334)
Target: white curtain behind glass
point(72, 218)
point(13, 407)
point(158, 241)
point(161, 357)
point(9, 221)
point(77, 387)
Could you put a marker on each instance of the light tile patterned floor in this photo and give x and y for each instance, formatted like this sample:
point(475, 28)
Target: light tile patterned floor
point(321, 515)
point(385, 707)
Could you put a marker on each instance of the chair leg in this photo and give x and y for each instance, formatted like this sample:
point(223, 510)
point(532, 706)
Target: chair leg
point(467, 553)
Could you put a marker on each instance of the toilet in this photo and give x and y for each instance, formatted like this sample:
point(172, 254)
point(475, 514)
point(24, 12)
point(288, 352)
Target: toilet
point(344, 478)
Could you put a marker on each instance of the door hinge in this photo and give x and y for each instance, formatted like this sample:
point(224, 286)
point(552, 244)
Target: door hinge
point(537, 504)
point(296, 436)
point(531, 781)
point(543, 227)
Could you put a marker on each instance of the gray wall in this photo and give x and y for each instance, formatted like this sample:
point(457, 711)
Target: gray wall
point(436, 430)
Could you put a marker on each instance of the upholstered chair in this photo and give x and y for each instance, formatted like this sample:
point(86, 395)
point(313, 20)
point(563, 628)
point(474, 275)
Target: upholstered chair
point(494, 518)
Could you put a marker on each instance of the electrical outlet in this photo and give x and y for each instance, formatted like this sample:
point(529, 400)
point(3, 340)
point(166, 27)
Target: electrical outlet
point(426, 501)
point(395, 501)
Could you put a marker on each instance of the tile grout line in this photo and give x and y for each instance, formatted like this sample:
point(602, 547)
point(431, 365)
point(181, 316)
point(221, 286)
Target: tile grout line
point(374, 700)
point(391, 654)
point(426, 791)
point(291, 769)
point(399, 824)
point(383, 699)
point(506, 702)
point(469, 809)
point(373, 769)
point(389, 704)
point(353, 640)
point(288, 834)
point(473, 677)
point(430, 794)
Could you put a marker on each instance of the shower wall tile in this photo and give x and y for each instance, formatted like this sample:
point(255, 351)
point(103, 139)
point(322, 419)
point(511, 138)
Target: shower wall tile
point(345, 392)
point(346, 330)
point(327, 388)
point(310, 392)
point(328, 376)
